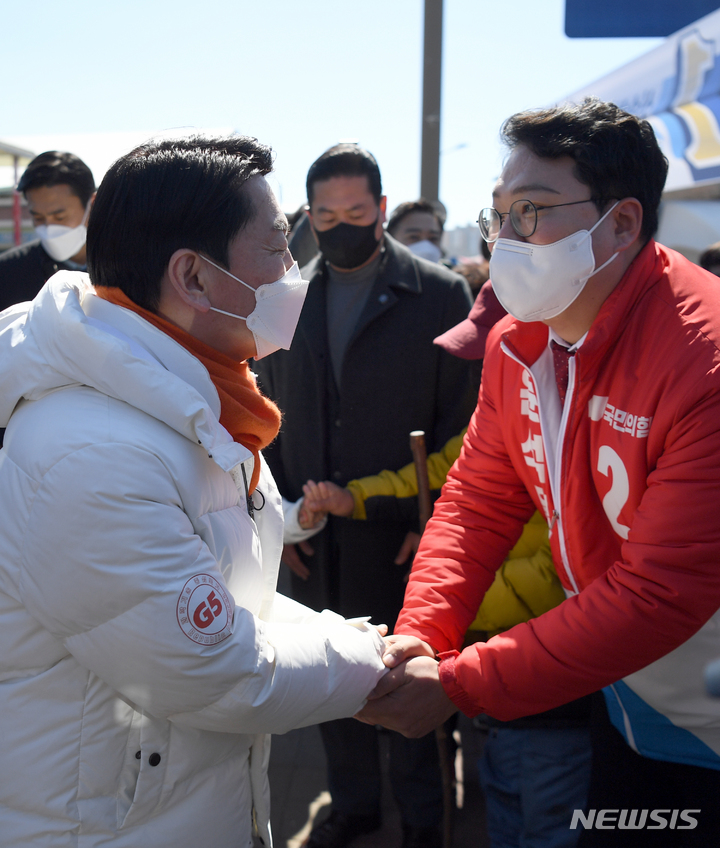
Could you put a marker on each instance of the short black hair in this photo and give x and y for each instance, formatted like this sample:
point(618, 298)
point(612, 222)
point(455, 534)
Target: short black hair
point(710, 257)
point(54, 167)
point(345, 160)
point(407, 208)
point(616, 154)
point(167, 195)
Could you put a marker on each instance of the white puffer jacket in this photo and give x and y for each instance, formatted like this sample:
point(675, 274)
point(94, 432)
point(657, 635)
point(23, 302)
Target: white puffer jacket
point(145, 653)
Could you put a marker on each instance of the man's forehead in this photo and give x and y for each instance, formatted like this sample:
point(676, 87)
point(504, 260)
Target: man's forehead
point(265, 204)
point(341, 191)
point(419, 221)
point(526, 173)
point(59, 193)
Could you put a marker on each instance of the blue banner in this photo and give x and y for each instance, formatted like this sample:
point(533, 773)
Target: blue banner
point(676, 87)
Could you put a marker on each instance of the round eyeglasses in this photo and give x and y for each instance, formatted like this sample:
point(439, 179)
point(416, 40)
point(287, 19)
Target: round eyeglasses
point(523, 217)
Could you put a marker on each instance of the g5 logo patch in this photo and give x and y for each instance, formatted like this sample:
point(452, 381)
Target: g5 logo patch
point(205, 610)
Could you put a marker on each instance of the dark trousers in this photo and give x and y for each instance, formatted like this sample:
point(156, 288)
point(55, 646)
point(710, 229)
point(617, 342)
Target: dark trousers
point(623, 780)
point(354, 772)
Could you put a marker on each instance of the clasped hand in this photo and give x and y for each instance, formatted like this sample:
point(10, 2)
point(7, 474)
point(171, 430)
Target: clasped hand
point(410, 697)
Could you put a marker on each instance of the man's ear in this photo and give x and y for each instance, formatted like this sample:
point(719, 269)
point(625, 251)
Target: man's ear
point(187, 275)
point(383, 209)
point(628, 217)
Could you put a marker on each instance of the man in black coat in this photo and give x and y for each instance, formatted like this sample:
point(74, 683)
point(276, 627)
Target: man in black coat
point(362, 373)
point(59, 190)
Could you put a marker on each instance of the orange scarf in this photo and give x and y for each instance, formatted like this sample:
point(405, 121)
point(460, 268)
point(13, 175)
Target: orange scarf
point(249, 417)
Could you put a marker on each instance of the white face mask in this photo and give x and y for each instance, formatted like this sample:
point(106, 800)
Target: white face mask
point(426, 250)
point(277, 310)
point(535, 282)
point(63, 242)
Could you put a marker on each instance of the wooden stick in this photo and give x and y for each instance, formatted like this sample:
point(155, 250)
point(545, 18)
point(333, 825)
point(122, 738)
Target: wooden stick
point(419, 453)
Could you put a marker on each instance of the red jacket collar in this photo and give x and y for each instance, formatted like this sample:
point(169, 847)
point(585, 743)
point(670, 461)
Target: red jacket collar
point(527, 341)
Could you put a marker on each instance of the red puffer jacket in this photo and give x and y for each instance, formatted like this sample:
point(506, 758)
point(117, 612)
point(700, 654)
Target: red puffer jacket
point(633, 505)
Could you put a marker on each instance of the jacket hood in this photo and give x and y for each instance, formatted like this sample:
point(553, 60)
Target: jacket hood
point(467, 339)
point(68, 336)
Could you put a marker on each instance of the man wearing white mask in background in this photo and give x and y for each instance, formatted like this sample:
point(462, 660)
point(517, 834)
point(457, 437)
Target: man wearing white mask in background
point(146, 654)
point(418, 225)
point(599, 406)
point(59, 189)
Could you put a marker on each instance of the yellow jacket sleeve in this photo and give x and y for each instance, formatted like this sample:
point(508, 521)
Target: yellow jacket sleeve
point(403, 483)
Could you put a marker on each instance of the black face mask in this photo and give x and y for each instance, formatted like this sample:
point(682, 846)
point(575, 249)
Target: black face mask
point(347, 245)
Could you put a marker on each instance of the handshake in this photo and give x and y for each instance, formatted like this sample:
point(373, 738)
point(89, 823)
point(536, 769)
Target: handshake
point(323, 498)
point(318, 500)
point(410, 698)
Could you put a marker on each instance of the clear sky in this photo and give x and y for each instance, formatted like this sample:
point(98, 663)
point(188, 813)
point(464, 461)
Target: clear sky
point(298, 74)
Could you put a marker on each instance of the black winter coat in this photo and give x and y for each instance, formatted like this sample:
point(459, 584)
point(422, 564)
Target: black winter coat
point(394, 380)
point(24, 270)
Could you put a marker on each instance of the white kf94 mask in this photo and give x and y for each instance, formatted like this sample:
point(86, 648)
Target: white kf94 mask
point(535, 282)
point(62, 242)
point(277, 309)
point(426, 249)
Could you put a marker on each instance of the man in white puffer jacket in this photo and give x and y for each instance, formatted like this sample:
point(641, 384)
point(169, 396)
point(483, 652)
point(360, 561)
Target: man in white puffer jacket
point(146, 655)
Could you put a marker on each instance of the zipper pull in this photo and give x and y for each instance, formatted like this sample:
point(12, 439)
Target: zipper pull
point(554, 518)
point(248, 497)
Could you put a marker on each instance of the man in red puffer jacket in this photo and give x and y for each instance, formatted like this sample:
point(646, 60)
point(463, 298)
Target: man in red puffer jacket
point(600, 406)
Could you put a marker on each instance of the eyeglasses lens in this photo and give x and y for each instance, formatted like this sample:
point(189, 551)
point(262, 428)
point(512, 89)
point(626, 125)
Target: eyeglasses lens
point(489, 222)
point(523, 217)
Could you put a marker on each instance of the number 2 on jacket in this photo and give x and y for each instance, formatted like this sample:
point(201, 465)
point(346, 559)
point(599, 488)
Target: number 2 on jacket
point(617, 497)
